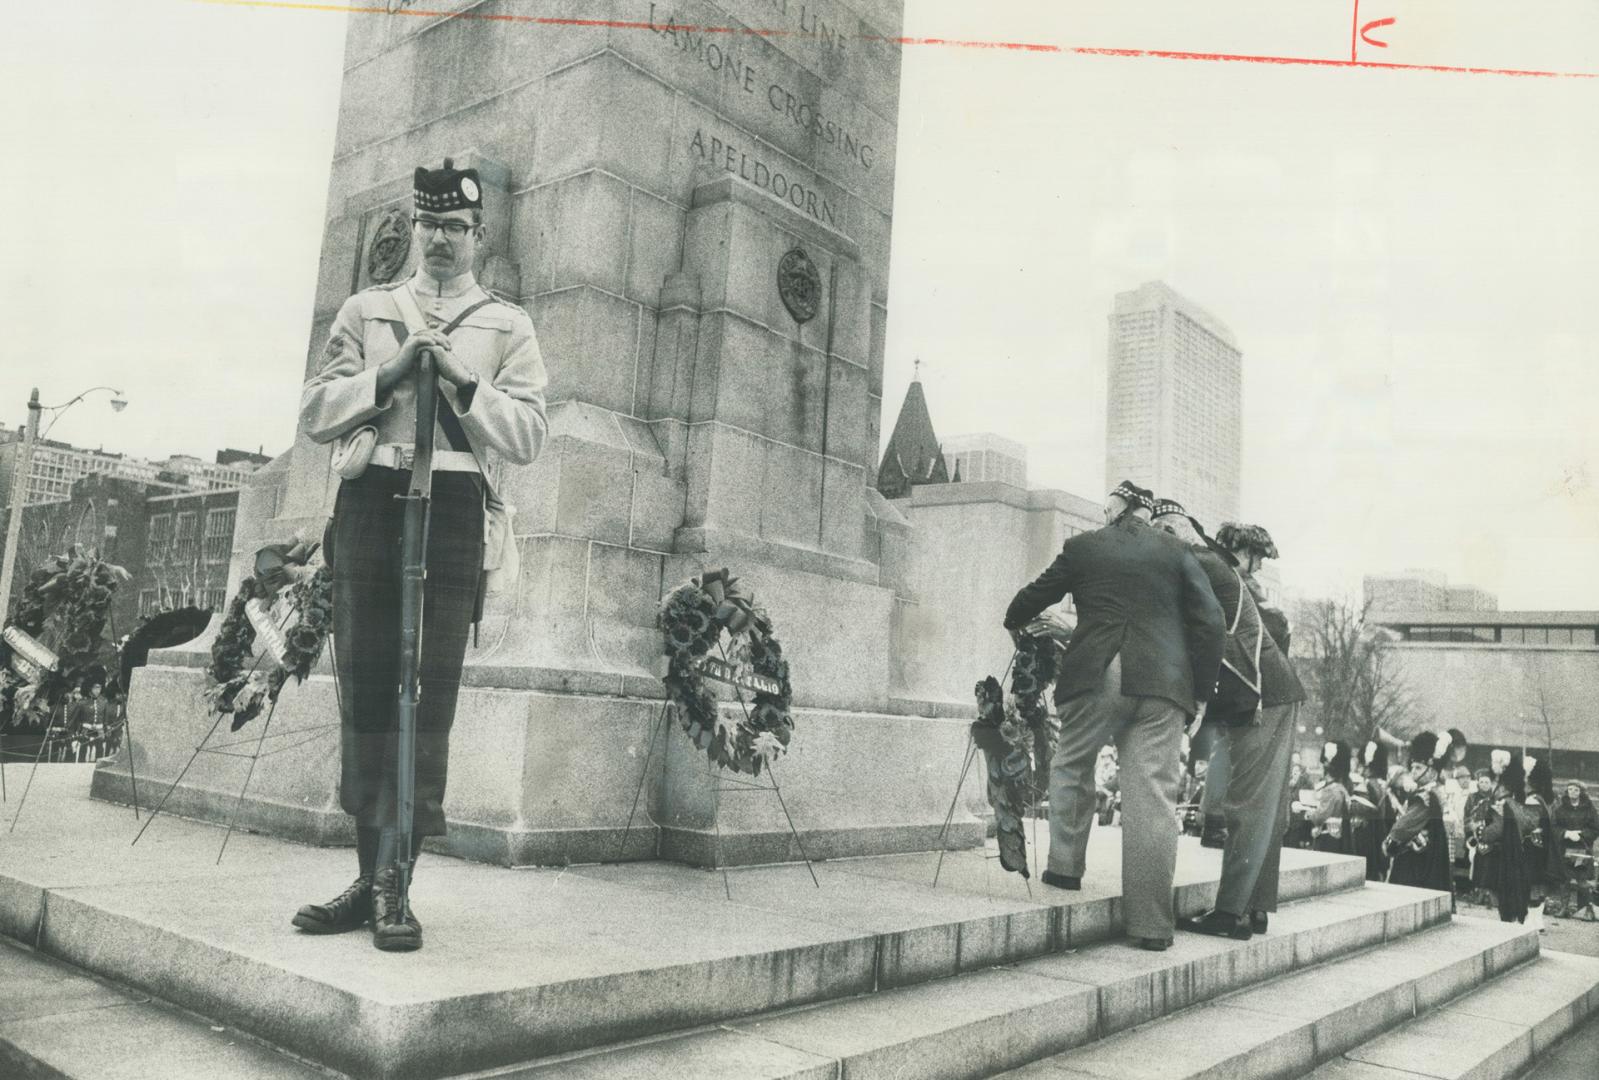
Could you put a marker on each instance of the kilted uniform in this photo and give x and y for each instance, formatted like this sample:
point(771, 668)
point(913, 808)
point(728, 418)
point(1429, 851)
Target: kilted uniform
point(365, 556)
point(502, 419)
point(1419, 844)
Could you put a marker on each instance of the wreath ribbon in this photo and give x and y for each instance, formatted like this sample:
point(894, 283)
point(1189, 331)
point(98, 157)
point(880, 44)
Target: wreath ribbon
point(693, 619)
point(279, 568)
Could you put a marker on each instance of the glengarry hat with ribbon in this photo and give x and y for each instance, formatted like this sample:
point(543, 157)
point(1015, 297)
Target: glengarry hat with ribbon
point(1134, 495)
point(439, 191)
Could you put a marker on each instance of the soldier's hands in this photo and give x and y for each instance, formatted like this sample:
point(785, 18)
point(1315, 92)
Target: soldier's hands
point(401, 364)
point(451, 367)
point(411, 351)
point(448, 366)
point(1199, 718)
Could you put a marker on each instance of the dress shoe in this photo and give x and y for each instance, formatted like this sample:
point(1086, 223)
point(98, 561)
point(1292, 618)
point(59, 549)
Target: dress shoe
point(1153, 944)
point(1257, 921)
point(390, 932)
point(1218, 924)
point(1214, 833)
point(1062, 881)
point(350, 910)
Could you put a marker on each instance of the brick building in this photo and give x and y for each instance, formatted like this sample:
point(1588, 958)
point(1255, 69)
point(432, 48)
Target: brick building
point(176, 546)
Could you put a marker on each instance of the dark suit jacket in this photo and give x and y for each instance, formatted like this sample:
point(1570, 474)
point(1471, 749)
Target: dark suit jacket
point(1138, 592)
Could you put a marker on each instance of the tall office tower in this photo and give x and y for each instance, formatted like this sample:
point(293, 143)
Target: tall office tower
point(1175, 403)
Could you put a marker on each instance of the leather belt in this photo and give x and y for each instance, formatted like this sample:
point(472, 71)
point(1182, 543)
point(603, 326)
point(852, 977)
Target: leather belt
point(401, 456)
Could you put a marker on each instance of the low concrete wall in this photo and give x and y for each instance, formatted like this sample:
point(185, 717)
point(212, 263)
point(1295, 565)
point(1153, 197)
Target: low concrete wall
point(971, 547)
point(1500, 695)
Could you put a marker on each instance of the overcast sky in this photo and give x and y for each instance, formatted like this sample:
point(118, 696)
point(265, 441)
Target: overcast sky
point(1408, 259)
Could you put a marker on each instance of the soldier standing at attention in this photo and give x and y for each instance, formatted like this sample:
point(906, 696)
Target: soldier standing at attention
point(491, 382)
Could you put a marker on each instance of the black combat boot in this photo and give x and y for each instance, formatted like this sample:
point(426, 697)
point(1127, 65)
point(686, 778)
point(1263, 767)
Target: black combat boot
point(389, 932)
point(350, 910)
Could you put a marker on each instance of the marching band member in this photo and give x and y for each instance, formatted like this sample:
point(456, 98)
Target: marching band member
point(1417, 843)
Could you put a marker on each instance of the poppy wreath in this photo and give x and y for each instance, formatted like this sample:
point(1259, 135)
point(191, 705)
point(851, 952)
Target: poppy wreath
point(1037, 665)
point(1006, 743)
point(1018, 738)
point(279, 569)
point(692, 618)
point(72, 594)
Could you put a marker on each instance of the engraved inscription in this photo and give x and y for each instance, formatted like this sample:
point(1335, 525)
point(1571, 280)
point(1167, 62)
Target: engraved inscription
point(723, 155)
point(718, 53)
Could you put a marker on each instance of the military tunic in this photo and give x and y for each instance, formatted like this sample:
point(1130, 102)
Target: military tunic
point(503, 419)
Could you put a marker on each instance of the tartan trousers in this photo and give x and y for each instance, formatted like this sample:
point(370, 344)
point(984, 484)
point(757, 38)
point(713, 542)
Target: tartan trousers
point(364, 550)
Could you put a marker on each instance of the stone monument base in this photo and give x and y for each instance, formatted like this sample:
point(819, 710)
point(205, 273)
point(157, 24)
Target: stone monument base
point(550, 776)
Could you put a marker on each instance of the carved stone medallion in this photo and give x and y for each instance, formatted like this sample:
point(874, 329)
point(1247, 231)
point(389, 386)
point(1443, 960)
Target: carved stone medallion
point(391, 245)
point(799, 285)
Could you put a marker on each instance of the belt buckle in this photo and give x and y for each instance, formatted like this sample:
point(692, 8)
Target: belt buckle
point(405, 457)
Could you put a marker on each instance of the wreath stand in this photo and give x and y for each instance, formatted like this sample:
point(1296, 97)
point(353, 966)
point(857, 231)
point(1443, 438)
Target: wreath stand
point(226, 749)
point(949, 818)
point(43, 744)
point(721, 784)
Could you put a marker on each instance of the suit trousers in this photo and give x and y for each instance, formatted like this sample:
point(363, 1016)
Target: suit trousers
point(1148, 735)
point(1256, 809)
point(1212, 744)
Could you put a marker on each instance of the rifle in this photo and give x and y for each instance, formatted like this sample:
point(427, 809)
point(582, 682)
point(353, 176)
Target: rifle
point(413, 561)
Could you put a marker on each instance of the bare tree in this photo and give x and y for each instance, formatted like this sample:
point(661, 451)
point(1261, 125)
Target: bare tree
point(42, 537)
point(1545, 711)
point(1356, 691)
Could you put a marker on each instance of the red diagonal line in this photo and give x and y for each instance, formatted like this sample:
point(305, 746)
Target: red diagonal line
point(1026, 46)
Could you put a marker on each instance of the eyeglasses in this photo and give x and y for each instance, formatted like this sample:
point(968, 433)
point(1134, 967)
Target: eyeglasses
point(454, 230)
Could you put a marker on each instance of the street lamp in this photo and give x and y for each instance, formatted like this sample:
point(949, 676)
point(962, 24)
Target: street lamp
point(19, 478)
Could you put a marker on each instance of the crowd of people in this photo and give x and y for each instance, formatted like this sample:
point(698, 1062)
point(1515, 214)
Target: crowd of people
point(87, 726)
point(1514, 843)
point(1178, 703)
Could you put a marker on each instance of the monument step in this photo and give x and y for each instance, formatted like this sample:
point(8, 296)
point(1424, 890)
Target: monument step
point(56, 1022)
point(1286, 1026)
point(522, 965)
point(1572, 1058)
point(1492, 1033)
point(978, 1022)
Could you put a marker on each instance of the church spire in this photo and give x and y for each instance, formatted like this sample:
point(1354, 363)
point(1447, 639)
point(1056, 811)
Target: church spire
point(914, 446)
